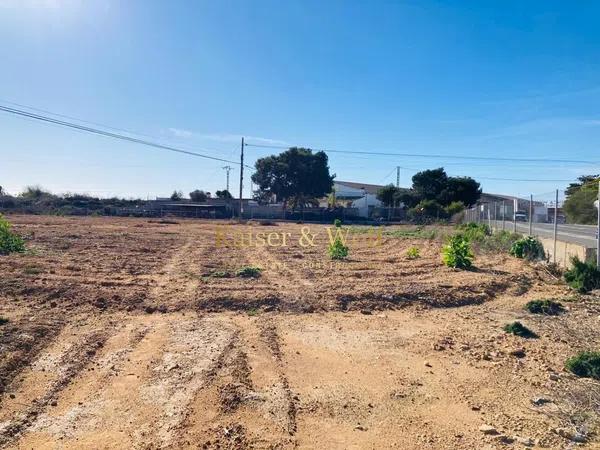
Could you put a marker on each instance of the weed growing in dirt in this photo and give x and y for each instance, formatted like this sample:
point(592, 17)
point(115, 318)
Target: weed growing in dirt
point(457, 252)
point(337, 249)
point(253, 312)
point(518, 329)
point(546, 307)
point(337, 223)
point(417, 233)
point(10, 242)
point(474, 231)
point(583, 276)
point(585, 364)
point(413, 253)
point(32, 270)
point(219, 274)
point(3, 320)
point(249, 272)
point(528, 248)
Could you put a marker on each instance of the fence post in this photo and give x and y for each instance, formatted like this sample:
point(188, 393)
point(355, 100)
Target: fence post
point(531, 215)
point(515, 207)
point(555, 226)
point(489, 217)
point(503, 215)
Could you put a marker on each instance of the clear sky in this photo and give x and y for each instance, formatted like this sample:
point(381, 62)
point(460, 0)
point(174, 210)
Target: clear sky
point(485, 78)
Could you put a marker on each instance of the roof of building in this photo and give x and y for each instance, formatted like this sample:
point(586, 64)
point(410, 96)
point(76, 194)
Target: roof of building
point(370, 188)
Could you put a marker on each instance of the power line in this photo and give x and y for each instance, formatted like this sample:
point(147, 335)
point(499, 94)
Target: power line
point(436, 156)
point(108, 134)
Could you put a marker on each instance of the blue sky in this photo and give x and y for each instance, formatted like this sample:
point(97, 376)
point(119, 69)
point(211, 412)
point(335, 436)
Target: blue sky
point(503, 78)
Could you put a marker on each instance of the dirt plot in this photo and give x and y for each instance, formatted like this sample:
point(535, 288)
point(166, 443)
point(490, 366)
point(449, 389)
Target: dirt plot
point(130, 333)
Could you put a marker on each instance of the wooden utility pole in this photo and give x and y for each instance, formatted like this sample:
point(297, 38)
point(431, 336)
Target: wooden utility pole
point(241, 178)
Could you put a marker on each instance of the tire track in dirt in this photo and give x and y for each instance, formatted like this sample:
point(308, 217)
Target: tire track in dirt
point(73, 361)
point(247, 404)
point(137, 392)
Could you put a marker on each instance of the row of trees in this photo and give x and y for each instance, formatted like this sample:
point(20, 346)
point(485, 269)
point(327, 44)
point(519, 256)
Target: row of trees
point(433, 194)
point(200, 196)
point(298, 177)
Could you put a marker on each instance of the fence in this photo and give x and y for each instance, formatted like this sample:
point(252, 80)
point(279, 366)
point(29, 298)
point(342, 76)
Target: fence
point(542, 216)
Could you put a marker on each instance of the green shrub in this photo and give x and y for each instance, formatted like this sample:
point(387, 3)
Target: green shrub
point(454, 208)
point(528, 248)
point(585, 364)
point(499, 241)
point(249, 272)
point(546, 307)
point(219, 274)
point(337, 223)
point(10, 242)
point(457, 253)
point(583, 276)
point(518, 329)
point(413, 253)
point(337, 249)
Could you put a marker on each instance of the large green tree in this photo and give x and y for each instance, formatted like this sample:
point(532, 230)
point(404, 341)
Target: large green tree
point(297, 176)
point(579, 205)
point(436, 185)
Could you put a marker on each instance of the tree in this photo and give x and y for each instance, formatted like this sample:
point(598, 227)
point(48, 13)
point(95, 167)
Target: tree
point(460, 189)
point(2, 192)
point(297, 176)
point(584, 179)
point(388, 195)
point(224, 194)
point(429, 184)
point(198, 196)
point(579, 205)
point(176, 196)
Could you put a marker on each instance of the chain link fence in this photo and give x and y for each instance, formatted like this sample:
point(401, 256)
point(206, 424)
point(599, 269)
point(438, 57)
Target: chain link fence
point(542, 216)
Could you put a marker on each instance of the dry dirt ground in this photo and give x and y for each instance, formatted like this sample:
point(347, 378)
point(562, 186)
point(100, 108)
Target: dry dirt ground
point(133, 333)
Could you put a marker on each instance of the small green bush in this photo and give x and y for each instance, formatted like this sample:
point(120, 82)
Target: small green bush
point(474, 232)
point(583, 276)
point(337, 223)
point(546, 307)
point(10, 242)
point(457, 253)
point(528, 248)
point(413, 253)
point(337, 249)
point(518, 329)
point(219, 274)
point(249, 272)
point(585, 364)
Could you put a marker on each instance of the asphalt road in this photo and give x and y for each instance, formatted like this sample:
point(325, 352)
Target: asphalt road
point(579, 234)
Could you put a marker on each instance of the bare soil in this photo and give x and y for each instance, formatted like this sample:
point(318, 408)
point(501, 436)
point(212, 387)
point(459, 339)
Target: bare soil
point(131, 333)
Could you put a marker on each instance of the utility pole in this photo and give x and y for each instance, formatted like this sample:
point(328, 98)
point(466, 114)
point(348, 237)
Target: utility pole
point(531, 215)
point(228, 169)
point(241, 178)
point(555, 227)
point(397, 176)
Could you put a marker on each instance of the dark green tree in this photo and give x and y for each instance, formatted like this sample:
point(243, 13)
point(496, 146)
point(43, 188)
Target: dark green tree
point(388, 195)
point(198, 196)
point(297, 177)
point(224, 194)
point(176, 196)
point(460, 189)
point(579, 206)
point(429, 184)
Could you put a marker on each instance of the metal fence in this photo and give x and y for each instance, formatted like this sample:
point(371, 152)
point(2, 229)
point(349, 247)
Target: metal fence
point(540, 215)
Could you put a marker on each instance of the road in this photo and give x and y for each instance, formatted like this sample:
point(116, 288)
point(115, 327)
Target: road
point(578, 234)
